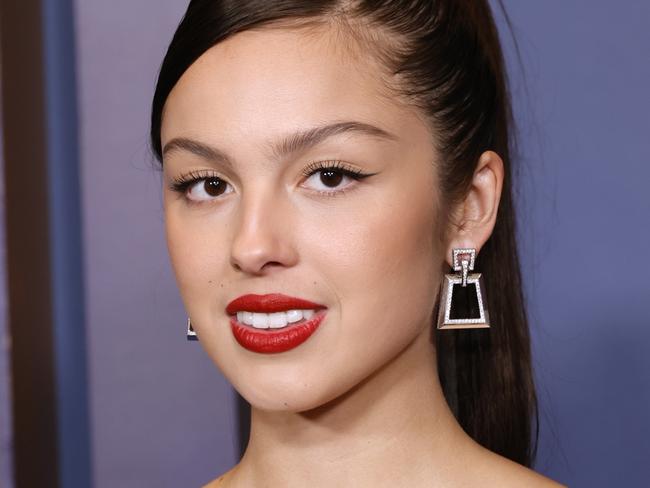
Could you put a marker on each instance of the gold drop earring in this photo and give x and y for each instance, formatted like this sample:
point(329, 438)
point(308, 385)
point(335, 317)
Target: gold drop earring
point(463, 302)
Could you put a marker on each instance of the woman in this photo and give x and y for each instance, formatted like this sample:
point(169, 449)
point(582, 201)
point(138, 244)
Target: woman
point(322, 160)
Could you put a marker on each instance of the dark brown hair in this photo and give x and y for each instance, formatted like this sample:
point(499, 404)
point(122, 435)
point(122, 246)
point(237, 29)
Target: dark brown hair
point(445, 58)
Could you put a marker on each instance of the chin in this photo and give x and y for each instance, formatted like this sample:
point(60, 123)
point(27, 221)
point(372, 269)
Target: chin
point(290, 395)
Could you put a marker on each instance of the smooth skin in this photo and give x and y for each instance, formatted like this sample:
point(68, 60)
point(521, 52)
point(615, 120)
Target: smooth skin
point(359, 403)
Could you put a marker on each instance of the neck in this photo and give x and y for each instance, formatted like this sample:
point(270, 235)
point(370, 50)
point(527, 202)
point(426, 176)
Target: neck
point(393, 427)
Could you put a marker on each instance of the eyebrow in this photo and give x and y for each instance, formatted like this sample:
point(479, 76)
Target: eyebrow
point(289, 144)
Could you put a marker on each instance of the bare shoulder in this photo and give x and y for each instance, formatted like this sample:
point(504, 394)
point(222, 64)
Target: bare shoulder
point(217, 482)
point(220, 481)
point(502, 472)
point(516, 475)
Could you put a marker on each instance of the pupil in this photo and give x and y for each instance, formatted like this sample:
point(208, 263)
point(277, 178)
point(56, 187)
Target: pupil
point(213, 186)
point(331, 178)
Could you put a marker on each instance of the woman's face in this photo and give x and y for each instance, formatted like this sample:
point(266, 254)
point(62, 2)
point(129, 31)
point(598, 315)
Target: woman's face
point(268, 220)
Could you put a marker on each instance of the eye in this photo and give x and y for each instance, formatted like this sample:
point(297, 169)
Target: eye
point(326, 176)
point(207, 189)
point(199, 187)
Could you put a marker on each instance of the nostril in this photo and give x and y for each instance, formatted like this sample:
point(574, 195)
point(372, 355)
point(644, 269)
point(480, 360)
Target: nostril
point(267, 267)
point(255, 269)
point(255, 250)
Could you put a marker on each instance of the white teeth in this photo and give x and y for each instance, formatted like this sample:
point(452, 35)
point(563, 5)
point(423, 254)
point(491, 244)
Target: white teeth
point(294, 316)
point(308, 314)
point(275, 320)
point(245, 317)
point(260, 320)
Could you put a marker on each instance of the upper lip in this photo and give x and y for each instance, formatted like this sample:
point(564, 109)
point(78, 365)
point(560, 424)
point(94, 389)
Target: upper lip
point(273, 302)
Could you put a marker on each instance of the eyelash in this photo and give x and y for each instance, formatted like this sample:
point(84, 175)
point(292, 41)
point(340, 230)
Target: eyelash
point(182, 183)
point(337, 166)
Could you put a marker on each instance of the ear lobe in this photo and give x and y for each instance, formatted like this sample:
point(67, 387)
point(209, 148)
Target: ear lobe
point(477, 214)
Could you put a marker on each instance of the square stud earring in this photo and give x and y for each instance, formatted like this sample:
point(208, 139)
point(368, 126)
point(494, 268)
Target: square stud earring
point(463, 304)
point(191, 335)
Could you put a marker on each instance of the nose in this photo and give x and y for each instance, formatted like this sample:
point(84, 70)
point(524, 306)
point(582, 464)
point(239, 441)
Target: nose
point(263, 234)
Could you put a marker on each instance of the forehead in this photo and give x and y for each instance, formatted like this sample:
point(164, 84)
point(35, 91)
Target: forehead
point(263, 82)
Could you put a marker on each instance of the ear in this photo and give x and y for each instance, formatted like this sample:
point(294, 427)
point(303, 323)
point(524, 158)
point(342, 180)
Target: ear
point(474, 218)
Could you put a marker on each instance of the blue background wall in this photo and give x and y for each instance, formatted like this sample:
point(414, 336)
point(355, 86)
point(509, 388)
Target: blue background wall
point(586, 232)
point(162, 415)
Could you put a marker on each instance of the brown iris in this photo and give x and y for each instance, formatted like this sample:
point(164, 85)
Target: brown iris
point(214, 186)
point(331, 178)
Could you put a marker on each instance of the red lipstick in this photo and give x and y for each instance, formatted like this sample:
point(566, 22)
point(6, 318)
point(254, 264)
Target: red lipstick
point(273, 340)
point(274, 302)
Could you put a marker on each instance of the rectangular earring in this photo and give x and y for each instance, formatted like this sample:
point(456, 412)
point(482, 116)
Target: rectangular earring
point(463, 302)
point(191, 335)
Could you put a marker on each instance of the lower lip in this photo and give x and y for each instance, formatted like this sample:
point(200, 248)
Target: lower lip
point(275, 340)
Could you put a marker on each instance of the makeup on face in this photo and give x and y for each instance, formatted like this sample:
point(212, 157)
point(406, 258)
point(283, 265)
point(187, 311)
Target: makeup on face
point(334, 268)
point(273, 323)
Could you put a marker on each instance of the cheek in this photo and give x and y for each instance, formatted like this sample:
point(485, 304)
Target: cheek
point(383, 267)
point(196, 250)
point(380, 268)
